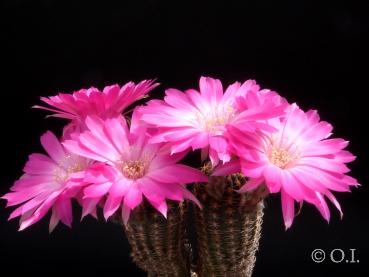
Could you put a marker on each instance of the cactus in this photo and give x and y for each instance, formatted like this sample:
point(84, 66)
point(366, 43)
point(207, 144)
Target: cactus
point(158, 245)
point(228, 227)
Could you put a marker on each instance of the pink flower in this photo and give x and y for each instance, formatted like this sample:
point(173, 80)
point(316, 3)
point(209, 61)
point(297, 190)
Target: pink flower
point(110, 102)
point(197, 120)
point(129, 168)
point(48, 182)
point(297, 160)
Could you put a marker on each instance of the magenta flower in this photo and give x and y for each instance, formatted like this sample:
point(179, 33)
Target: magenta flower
point(197, 120)
point(110, 102)
point(297, 160)
point(129, 168)
point(48, 182)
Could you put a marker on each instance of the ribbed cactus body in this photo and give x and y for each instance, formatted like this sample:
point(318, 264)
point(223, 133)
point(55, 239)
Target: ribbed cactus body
point(227, 231)
point(158, 245)
point(228, 227)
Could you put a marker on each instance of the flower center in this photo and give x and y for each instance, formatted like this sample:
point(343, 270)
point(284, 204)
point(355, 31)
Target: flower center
point(133, 169)
point(280, 157)
point(60, 175)
point(66, 167)
point(213, 121)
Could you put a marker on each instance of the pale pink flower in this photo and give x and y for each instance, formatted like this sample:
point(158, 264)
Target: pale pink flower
point(197, 120)
point(297, 160)
point(110, 102)
point(48, 182)
point(129, 168)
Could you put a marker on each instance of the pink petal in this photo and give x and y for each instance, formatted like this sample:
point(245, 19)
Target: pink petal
point(26, 216)
point(98, 146)
point(126, 211)
point(344, 156)
point(121, 187)
point(133, 198)
point(26, 193)
point(64, 211)
point(227, 168)
point(111, 94)
point(152, 190)
point(317, 132)
point(190, 196)
point(213, 156)
point(241, 137)
point(181, 146)
point(28, 181)
point(197, 99)
point(231, 91)
point(211, 89)
point(172, 191)
point(291, 186)
point(161, 207)
point(288, 209)
point(312, 116)
point(52, 146)
point(39, 212)
point(251, 169)
point(36, 166)
point(334, 201)
point(117, 133)
point(324, 164)
point(111, 205)
point(89, 206)
point(100, 173)
point(178, 99)
point(94, 191)
point(177, 173)
point(200, 140)
point(131, 92)
point(251, 184)
point(325, 179)
point(220, 145)
point(54, 220)
point(31, 204)
point(322, 206)
point(81, 150)
point(58, 113)
point(164, 120)
point(324, 147)
point(162, 160)
point(273, 178)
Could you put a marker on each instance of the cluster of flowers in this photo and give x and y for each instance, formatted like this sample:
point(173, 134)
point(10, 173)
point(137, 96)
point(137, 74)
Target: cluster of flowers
point(104, 159)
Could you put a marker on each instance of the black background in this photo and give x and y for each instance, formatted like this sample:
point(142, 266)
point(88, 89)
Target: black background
point(312, 54)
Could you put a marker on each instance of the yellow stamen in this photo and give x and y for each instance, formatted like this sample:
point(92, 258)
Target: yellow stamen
point(68, 166)
point(280, 157)
point(133, 169)
point(212, 120)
